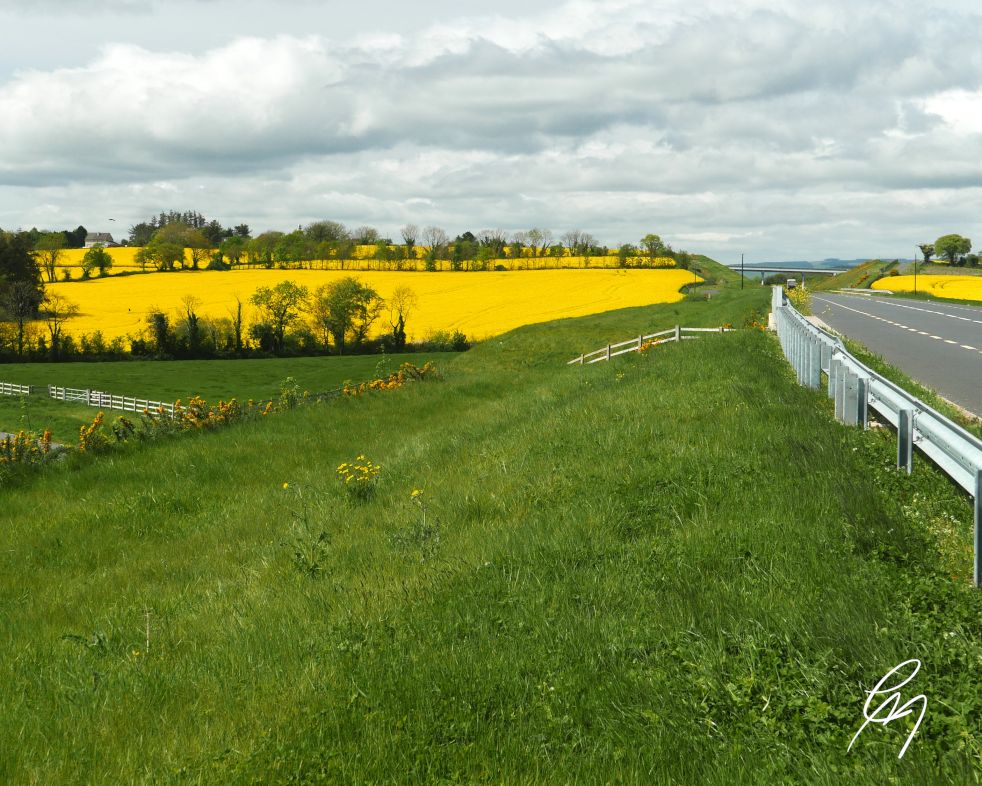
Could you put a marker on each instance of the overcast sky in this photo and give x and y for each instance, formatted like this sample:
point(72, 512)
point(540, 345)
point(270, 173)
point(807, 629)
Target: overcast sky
point(786, 130)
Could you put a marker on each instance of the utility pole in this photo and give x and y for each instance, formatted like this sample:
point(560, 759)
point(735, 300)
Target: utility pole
point(915, 271)
point(741, 271)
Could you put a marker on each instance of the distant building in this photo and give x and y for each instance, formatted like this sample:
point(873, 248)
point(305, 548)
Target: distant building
point(100, 239)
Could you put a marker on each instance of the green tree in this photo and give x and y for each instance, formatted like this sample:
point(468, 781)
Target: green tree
point(345, 308)
point(952, 247)
point(280, 306)
point(326, 231)
point(624, 254)
point(96, 258)
point(49, 250)
point(653, 248)
point(927, 249)
point(260, 249)
point(233, 248)
point(200, 246)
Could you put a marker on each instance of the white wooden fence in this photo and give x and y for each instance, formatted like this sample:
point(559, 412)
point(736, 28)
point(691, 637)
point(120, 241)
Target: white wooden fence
point(636, 344)
point(97, 398)
point(10, 389)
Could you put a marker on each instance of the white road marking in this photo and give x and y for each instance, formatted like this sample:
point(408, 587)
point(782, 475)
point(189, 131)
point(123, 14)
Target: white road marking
point(904, 327)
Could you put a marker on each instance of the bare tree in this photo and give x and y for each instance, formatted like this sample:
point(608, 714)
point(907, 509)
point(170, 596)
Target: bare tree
point(57, 310)
point(191, 320)
point(366, 236)
point(436, 239)
point(573, 240)
point(401, 303)
point(409, 234)
point(49, 249)
point(20, 302)
point(493, 239)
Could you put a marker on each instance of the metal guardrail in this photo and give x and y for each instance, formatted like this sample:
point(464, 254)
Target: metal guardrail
point(857, 389)
point(676, 333)
point(12, 389)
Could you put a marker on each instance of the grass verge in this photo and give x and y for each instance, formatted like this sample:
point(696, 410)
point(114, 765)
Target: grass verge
point(672, 567)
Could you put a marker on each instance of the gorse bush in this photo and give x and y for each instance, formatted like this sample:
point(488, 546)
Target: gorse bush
point(197, 415)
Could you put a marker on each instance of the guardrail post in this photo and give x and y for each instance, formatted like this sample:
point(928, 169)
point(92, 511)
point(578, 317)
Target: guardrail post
point(851, 399)
point(815, 365)
point(826, 356)
point(840, 391)
point(905, 440)
point(978, 527)
point(833, 371)
point(862, 410)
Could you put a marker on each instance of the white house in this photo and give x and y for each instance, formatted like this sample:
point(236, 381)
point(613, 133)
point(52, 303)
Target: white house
point(100, 239)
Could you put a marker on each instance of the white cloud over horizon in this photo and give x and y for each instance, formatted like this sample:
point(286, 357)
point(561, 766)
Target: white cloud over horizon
point(784, 130)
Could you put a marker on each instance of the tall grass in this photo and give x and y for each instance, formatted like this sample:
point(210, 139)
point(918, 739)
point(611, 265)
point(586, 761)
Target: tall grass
point(669, 568)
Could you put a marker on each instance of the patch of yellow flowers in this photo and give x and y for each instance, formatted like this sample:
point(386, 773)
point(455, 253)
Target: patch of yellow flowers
point(360, 476)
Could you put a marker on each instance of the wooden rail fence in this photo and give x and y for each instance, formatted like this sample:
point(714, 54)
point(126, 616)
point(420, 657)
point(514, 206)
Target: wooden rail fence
point(637, 344)
point(11, 389)
point(97, 398)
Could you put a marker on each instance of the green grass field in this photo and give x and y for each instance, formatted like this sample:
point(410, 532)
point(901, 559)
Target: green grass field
point(669, 568)
point(179, 379)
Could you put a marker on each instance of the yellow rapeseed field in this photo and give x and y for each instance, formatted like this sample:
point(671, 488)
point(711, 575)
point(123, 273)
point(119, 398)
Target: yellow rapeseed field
point(955, 287)
point(477, 304)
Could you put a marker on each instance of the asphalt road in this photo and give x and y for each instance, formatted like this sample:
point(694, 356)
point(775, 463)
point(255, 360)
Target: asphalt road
point(939, 345)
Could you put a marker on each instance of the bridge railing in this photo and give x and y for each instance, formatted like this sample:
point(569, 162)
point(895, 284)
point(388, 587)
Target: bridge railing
point(858, 390)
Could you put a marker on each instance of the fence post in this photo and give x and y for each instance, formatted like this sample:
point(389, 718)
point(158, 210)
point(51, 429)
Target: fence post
point(678, 332)
point(608, 352)
point(640, 341)
point(581, 359)
point(978, 526)
point(905, 440)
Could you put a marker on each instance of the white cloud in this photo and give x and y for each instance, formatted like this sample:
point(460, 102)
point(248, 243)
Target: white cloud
point(762, 125)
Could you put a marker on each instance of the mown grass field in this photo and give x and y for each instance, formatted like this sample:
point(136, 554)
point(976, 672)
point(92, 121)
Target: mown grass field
point(670, 568)
point(477, 304)
point(168, 381)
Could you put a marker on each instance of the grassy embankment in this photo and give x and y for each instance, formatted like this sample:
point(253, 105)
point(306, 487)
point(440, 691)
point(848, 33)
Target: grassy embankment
point(859, 277)
point(667, 568)
point(180, 379)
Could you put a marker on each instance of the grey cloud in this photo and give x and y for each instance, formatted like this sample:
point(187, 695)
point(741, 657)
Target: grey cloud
point(611, 117)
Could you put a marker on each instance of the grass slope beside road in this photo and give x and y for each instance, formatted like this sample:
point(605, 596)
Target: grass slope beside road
point(667, 568)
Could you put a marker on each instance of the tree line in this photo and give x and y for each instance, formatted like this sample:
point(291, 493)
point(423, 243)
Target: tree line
point(953, 248)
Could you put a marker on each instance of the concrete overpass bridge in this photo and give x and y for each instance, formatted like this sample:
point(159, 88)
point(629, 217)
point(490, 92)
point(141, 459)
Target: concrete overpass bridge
point(801, 272)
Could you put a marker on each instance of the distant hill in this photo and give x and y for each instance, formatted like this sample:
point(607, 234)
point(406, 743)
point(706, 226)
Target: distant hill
point(816, 265)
